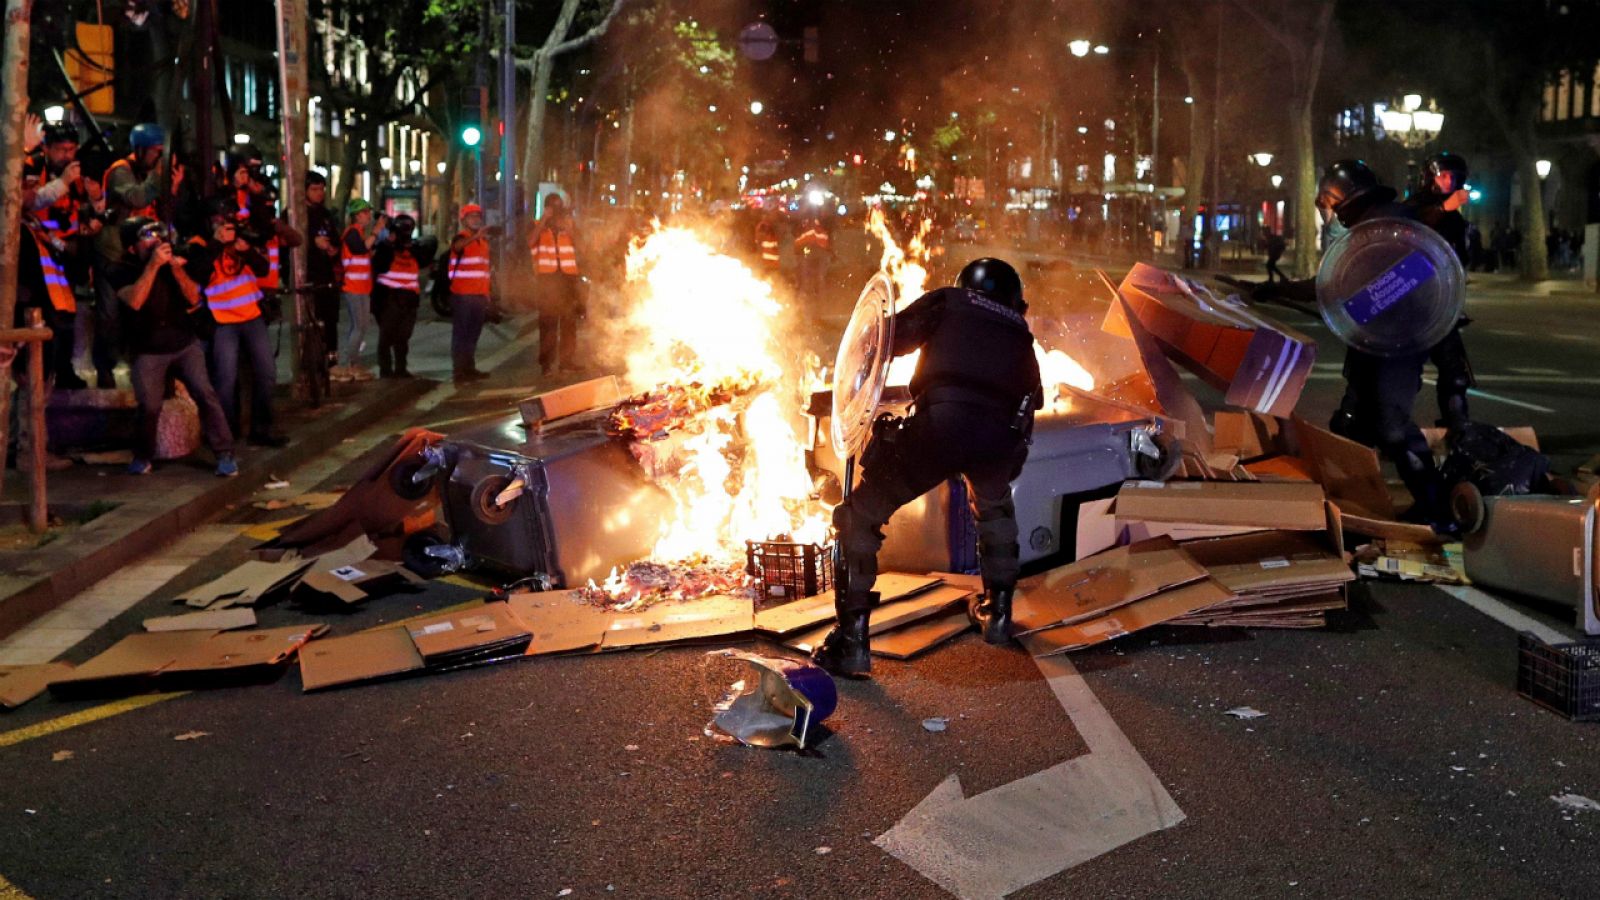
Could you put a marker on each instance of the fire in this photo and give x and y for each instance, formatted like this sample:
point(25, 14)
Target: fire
point(907, 268)
point(720, 426)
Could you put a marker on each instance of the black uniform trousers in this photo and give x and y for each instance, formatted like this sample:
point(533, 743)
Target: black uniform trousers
point(397, 318)
point(1383, 390)
point(1449, 357)
point(936, 443)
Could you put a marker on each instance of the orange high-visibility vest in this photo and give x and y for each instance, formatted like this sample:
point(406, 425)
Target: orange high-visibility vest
point(553, 252)
point(469, 268)
point(403, 274)
point(148, 210)
point(357, 266)
point(62, 221)
point(232, 293)
point(55, 279)
point(272, 281)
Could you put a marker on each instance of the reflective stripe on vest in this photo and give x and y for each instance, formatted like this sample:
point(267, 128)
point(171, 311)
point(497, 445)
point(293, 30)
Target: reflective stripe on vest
point(403, 274)
point(55, 279)
point(554, 253)
point(272, 280)
point(469, 268)
point(357, 266)
point(232, 296)
point(148, 210)
point(769, 251)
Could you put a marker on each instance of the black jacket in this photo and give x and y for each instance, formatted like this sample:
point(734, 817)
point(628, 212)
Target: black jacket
point(969, 341)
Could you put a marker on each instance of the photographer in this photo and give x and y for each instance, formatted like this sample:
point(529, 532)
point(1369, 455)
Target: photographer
point(322, 259)
point(232, 268)
point(161, 299)
point(398, 262)
point(469, 292)
point(63, 217)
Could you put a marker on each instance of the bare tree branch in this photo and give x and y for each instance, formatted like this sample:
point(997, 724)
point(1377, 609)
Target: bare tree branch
point(588, 36)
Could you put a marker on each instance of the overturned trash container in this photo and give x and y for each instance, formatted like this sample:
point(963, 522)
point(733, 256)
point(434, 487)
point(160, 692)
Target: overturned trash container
point(780, 706)
point(1539, 546)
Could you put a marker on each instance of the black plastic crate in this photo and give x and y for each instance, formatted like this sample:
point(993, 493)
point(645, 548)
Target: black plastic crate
point(1561, 677)
point(786, 570)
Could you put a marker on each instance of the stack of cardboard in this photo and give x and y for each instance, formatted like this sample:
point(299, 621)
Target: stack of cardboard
point(185, 660)
point(916, 614)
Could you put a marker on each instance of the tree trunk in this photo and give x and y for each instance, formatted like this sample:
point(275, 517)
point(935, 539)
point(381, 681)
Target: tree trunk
point(1532, 262)
point(1307, 224)
point(533, 143)
point(14, 103)
point(349, 162)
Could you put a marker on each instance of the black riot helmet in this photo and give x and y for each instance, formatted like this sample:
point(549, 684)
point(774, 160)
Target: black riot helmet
point(1344, 182)
point(242, 156)
point(60, 133)
point(995, 279)
point(1443, 162)
point(403, 226)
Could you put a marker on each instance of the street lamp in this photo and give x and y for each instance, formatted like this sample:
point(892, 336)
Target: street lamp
point(1411, 125)
point(1079, 48)
point(756, 107)
point(1277, 181)
point(241, 138)
point(1542, 167)
point(1262, 159)
point(415, 166)
point(1101, 49)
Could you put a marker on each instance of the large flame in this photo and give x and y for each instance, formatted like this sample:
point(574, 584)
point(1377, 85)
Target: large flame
point(908, 270)
point(701, 319)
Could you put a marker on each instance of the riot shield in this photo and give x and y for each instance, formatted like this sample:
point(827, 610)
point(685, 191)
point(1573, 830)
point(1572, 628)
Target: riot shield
point(1391, 287)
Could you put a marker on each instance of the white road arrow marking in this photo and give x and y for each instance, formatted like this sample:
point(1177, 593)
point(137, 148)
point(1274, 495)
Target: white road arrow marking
point(1007, 838)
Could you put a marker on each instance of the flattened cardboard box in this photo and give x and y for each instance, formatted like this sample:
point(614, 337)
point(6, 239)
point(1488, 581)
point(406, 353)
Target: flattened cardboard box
point(558, 623)
point(1141, 614)
point(808, 612)
point(19, 684)
point(666, 623)
point(205, 620)
point(246, 584)
point(128, 666)
point(1091, 587)
point(365, 656)
point(450, 638)
point(1290, 506)
point(1261, 364)
point(920, 637)
point(574, 398)
point(351, 583)
point(234, 657)
point(1271, 559)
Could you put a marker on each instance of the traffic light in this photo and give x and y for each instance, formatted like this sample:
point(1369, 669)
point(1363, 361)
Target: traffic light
point(474, 113)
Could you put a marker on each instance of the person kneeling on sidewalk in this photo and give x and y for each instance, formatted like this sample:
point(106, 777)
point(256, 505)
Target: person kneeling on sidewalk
point(151, 281)
point(230, 266)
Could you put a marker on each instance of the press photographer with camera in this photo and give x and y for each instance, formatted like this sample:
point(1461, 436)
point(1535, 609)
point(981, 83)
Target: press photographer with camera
point(162, 299)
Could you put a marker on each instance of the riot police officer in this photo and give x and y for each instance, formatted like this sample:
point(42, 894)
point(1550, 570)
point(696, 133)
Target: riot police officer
point(1381, 390)
point(1436, 199)
point(974, 392)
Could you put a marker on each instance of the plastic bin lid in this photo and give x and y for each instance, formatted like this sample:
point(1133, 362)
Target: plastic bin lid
point(862, 366)
point(1391, 287)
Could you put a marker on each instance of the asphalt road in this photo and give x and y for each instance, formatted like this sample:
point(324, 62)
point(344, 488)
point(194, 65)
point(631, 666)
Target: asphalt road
point(1394, 757)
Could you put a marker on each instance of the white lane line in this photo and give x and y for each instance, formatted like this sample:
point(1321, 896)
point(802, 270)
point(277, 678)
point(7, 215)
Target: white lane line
point(1533, 370)
point(1505, 615)
point(1474, 392)
point(1506, 332)
point(1005, 839)
point(1574, 337)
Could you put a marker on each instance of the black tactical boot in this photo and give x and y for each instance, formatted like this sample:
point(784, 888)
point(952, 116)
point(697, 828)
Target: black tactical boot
point(844, 652)
point(990, 611)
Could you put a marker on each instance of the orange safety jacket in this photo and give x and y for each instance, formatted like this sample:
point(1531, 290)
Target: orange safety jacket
point(148, 210)
point(272, 281)
point(357, 266)
point(469, 268)
point(232, 293)
point(553, 252)
point(55, 278)
point(404, 274)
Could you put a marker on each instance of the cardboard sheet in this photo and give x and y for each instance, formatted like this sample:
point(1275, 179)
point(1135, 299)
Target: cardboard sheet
point(1247, 435)
point(352, 583)
point(19, 684)
point(233, 656)
point(1133, 617)
point(464, 634)
point(130, 665)
point(808, 612)
point(1348, 471)
point(246, 584)
point(205, 620)
point(920, 637)
point(574, 398)
point(1094, 586)
point(666, 623)
point(558, 623)
point(367, 656)
point(1282, 505)
point(1271, 560)
point(889, 616)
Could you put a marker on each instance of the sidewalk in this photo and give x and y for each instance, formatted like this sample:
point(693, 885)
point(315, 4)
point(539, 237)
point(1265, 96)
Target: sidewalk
point(110, 519)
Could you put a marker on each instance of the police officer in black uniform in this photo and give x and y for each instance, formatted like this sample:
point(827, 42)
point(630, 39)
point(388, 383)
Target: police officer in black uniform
point(1438, 195)
point(975, 389)
point(1381, 390)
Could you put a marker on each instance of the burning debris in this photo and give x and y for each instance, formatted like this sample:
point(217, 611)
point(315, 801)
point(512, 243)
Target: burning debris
point(645, 583)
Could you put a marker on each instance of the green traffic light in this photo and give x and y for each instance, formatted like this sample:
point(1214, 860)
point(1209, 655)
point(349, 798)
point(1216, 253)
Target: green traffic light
point(470, 135)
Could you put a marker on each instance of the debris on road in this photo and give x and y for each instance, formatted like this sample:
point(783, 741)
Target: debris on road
point(936, 724)
point(1576, 802)
point(225, 619)
point(783, 708)
point(1245, 712)
point(19, 684)
point(62, 755)
point(191, 735)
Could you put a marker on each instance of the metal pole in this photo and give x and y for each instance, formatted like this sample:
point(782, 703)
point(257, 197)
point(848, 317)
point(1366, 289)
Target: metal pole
point(13, 109)
point(1155, 145)
point(481, 79)
point(38, 510)
point(508, 93)
point(294, 105)
point(1216, 145)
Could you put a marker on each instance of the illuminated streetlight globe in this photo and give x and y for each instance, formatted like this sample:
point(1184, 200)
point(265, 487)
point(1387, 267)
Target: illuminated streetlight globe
point(1542, 167)
point(1262, 159)
point(756, 106)
point(1079, 48)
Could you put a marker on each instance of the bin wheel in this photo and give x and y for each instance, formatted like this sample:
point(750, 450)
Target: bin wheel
point(483, 495)
point(1467, 506)
point(414, 553)
point(400, 479)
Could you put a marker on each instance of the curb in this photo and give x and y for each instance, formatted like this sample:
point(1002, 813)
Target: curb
point(34, 600)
